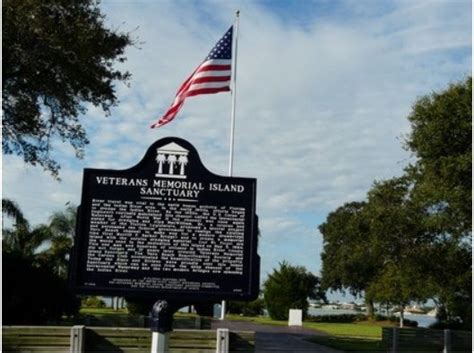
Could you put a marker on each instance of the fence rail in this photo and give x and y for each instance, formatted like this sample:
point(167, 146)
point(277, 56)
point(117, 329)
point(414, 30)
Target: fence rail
point(426, 340)
point(107, 339)
point(141, 321)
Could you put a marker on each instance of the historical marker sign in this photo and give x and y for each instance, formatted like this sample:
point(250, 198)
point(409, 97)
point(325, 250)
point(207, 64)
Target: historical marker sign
point(167, 228)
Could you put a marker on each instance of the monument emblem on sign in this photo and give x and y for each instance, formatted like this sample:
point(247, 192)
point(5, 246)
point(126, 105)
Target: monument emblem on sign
point(171, 159)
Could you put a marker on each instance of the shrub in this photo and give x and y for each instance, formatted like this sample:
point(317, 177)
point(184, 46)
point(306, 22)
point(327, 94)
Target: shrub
point(449, 325)
point(254, 308)
point(34, 295)
point(93, 302)
point(139, 306)
point(288, 288)
point(343, 318)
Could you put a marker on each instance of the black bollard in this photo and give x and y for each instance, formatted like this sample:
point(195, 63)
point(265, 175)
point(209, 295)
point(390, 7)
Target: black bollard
point(161, 323)
point(162, 317)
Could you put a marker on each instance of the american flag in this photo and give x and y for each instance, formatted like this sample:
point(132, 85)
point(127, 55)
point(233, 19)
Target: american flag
point(213, 75)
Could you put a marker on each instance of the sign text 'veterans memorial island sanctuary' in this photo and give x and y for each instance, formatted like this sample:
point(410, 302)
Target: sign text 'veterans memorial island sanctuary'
point(167, 228)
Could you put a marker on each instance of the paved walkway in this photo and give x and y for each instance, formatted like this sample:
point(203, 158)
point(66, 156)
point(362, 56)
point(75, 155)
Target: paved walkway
point(277, 339)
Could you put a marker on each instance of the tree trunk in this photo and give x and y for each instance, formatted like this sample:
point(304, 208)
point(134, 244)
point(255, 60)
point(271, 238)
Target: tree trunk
point(442, 313)
point(369, 304)
point(402, 310)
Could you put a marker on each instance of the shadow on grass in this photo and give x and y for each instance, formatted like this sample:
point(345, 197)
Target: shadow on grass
point(359, 344)
point(350, 344)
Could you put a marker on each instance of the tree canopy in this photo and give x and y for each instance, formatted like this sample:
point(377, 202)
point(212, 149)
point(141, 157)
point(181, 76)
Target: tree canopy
point(58, 56)
point(397, 237)
point(441, 140)
point(410, 240)
point(347, 262)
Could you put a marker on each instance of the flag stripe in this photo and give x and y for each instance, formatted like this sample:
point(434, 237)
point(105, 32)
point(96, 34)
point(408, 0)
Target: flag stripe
point(212, 79)
point(207, 91)
point(216, 62)
point(208, 85)
point(214, 68)
point(212, 73)
point(201, 89)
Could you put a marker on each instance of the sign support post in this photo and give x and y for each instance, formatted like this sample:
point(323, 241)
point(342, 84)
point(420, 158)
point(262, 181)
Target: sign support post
point(159, 342)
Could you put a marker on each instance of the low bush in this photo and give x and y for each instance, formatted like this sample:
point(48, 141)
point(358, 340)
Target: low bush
point(34, 295)
point(450, 325)
point(406, 322)
point(93, 302)
point(342, 318)
point(396, 320)
point(254, 308)
point(139, 306)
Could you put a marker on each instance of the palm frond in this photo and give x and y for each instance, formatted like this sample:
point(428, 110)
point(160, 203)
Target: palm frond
point(11, 209)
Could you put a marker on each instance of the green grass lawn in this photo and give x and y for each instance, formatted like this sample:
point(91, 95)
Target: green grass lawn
point(365, 329)
point(102, 311)
point(350, 344)
point(362, 329)
point(364, 336)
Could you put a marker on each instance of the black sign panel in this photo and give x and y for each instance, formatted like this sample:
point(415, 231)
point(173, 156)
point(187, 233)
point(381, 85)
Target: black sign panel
point(167, 228)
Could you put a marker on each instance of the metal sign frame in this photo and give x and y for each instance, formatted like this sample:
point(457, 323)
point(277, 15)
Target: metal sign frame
point(168, 161)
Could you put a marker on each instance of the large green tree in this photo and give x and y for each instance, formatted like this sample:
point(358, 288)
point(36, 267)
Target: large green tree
point(348, 262)
point(416, 229)
point(397, 236)
point(58, 56)
point(289, 287)
point(441, 141)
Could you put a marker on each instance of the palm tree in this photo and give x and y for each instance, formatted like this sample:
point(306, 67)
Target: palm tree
point(46, 244)
point(11, 209)
point(21, 238)
point(62, 226)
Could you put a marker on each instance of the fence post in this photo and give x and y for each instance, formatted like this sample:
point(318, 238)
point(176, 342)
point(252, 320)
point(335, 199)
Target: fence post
point(197, 323)
point(447, 341)
point(395, 335)
point(77, 339)
point(222, 344)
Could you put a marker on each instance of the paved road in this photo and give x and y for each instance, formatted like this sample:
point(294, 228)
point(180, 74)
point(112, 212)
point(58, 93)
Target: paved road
point(277, 339)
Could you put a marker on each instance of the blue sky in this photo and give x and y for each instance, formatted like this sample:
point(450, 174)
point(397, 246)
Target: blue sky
point(324, 89)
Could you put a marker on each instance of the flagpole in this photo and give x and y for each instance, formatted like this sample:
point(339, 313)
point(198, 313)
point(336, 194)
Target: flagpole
point(234, 91)
point(232, 116)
